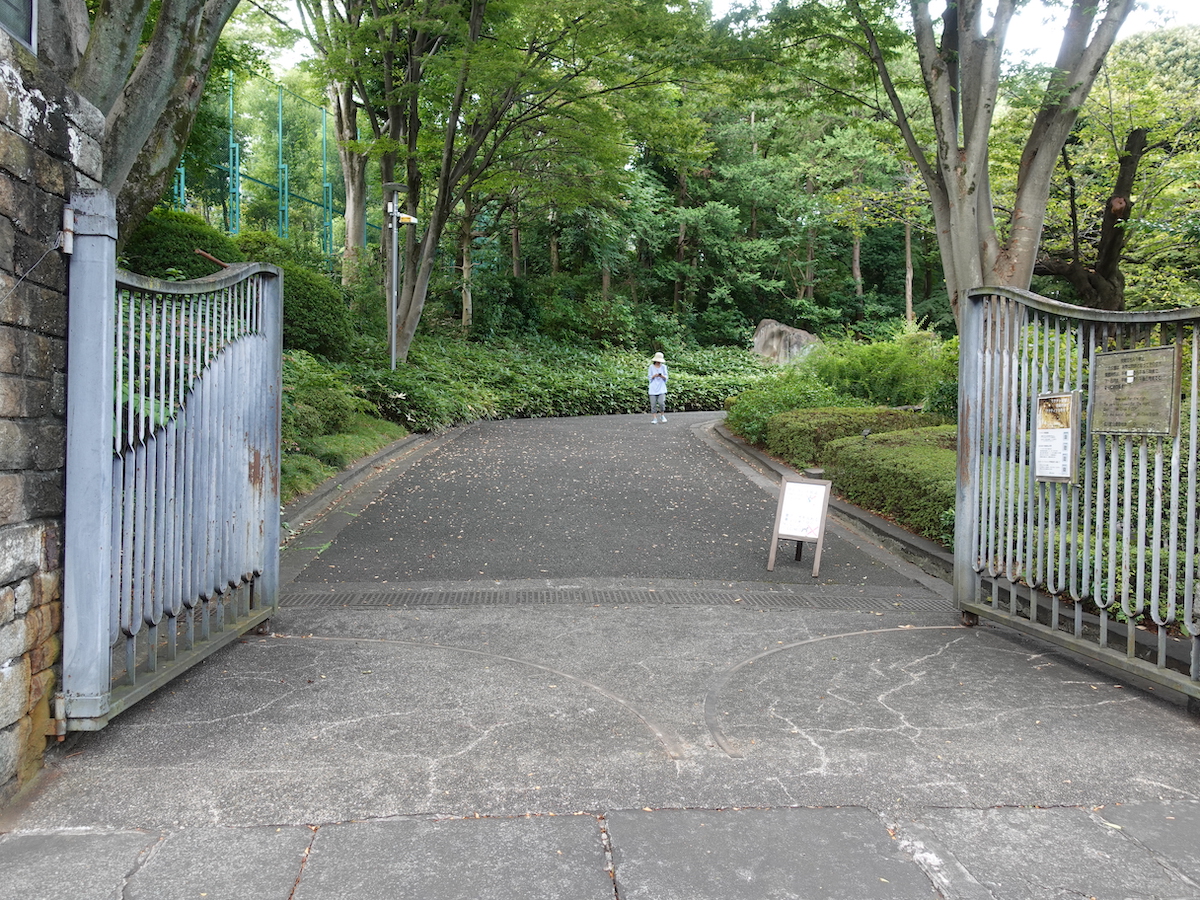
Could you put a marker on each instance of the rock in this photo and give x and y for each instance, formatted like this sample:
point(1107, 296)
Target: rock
point(782, 343)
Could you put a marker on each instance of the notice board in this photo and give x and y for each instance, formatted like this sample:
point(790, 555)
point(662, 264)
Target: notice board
point(800, 516)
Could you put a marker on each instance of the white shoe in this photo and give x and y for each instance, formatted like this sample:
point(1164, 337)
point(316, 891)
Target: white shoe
point(664, 420)
point(654, 421)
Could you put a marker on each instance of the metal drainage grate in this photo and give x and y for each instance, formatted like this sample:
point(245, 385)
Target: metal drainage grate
point(611, 598)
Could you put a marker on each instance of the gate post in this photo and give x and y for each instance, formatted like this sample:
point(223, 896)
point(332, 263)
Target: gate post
point(970, 403)
point(87, 552)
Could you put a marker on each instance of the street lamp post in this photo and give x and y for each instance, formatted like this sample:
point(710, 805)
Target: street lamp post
point(394, 190)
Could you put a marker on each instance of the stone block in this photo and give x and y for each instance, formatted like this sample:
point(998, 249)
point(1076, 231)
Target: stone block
point(37, 398)
point(32, 730)
point(6, 244)
point(43, 657)
point(42, 623)
point(87, 156)
point(14, 155)
point(12, 340)
point(50, 537)
point(24, 593)
point(12, 499)
point(10, 752)
point(32, 260)
point(13, 643)
point(52, 170)
point(46, 587)
point(14, 690)
point(14, 450)
point(12, 397)
point(21, 552)
point(45, 496)
point(8, 605)
point(58, 396)
point(41, 685)
point(50, 447)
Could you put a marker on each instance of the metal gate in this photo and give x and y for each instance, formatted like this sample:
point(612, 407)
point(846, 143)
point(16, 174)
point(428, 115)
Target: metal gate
point(1096, 549)
point(172, 506)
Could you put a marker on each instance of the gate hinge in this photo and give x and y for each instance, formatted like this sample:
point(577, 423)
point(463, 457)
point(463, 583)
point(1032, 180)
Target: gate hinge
point(57, 727)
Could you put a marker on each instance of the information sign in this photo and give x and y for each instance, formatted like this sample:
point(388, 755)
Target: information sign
point(1057, 438)
point(1136, 391)
point(800, 516)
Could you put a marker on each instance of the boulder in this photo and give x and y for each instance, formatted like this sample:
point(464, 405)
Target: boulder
point(782, 343)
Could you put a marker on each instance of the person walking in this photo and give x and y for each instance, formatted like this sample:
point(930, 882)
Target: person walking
point(657, 375)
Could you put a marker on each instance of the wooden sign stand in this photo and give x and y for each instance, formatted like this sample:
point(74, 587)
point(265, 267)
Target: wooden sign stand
point(800, 516)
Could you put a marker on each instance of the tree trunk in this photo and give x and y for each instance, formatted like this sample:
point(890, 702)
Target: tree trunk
point(856, 264)
point(1102, 285)
point(467, 262)
point(962, 76)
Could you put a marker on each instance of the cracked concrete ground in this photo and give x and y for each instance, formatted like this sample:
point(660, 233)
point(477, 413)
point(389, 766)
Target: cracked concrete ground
point(597, 733)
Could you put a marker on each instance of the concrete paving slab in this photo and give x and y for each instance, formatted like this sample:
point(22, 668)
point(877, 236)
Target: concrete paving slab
point(71, 866)
point(552, 857)
point(263, 863)
point(1169, 829)
point(1045, 854)
point(781, 854)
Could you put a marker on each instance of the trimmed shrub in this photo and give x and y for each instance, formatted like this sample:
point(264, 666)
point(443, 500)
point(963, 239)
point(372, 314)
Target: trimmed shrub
point(315, 316)
point(793, 388)
point(908, 476)
point(799, 436)
point(165, 245)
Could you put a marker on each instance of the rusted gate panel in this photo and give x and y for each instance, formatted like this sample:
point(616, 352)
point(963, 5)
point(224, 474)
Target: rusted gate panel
point(172, 532)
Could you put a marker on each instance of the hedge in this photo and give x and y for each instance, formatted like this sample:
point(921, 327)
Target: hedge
point(908, 476)
point(799, 436)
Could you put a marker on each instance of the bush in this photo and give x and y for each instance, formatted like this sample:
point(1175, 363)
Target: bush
point(446, 381)
point(315, 316)
point(792, 388)
point(316, 401)
point(165, 245)
point(799, 436)
point(909, 476)
point(894, 372)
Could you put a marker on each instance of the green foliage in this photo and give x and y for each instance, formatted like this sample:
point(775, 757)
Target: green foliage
point(447, 382)
point(316, 316)
point(316, 401)
point(892, 372)
point(799, 437)
point(359, 436)
point(167, 242)
point(908, 476)
point(794, 387)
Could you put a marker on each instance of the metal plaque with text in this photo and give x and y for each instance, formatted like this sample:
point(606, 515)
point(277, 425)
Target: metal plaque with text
point(1136, 391)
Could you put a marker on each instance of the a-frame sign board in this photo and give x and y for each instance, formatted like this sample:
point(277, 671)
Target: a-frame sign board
point(800, 516)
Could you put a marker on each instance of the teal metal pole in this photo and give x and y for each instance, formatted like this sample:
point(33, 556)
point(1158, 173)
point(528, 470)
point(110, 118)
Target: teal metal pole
point(283, 187)
point(235, 170)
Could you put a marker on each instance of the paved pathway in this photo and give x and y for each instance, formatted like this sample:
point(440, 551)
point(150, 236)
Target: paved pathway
point(545, 659)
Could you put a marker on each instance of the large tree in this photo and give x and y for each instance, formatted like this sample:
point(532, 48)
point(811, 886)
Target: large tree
point(148, 90)
point(1126, 177)
point(448, 85)
point(961, 70)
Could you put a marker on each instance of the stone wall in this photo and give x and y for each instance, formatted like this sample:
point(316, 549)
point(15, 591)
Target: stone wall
point(49, 147)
